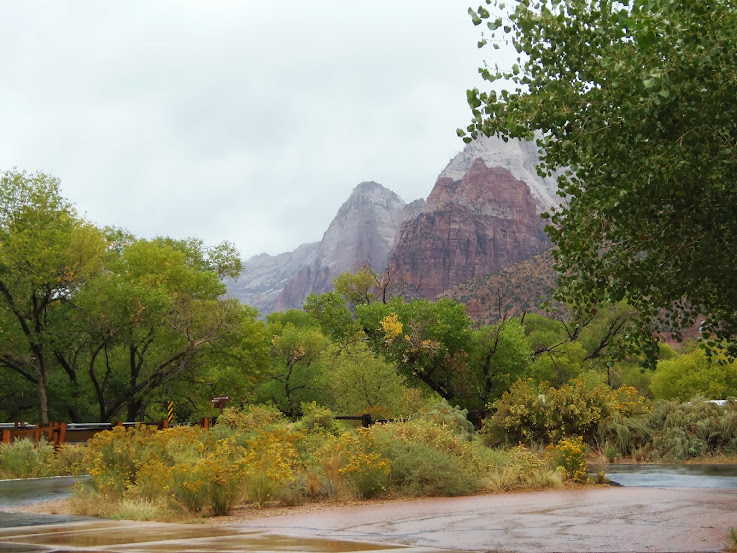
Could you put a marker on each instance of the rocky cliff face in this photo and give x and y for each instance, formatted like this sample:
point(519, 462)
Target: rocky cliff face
point(520, 157)
point(481, 216)
point(363, 232)
point(265, 276)
point(472, 226)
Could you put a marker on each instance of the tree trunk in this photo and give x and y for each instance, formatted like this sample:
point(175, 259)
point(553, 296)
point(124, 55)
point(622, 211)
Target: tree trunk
point(43, 400)
point(134, 408)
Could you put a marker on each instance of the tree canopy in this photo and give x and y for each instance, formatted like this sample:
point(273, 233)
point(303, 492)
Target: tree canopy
point(633, 105)
point(102, 324)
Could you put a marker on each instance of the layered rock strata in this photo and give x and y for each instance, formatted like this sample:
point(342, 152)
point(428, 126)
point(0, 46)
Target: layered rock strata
point(473, 226)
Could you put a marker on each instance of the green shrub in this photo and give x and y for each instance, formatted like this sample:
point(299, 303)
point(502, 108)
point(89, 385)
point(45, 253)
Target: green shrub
point(611, 453)
point(544, 414)
point(732, 545)
point(140, 509)
point(419, 469)
point(22, 459)
point(519, 468)
point(69, 460)
point(316, 418)
point(442, 414)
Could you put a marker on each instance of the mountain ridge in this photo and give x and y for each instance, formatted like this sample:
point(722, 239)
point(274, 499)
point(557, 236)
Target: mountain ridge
point(477, 229)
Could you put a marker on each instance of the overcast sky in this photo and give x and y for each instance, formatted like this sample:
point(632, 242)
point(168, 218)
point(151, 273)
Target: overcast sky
point(240, 120)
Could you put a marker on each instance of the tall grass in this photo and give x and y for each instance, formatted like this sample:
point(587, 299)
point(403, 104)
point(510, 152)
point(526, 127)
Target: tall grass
point(675, 431)
point(22, 459)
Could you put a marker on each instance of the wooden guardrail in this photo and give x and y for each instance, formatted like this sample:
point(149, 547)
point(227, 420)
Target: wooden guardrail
point(366, 420)
point(55, 433)
point(58, 433)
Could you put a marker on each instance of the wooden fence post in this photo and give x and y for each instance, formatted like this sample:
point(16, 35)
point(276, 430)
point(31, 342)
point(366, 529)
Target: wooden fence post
point(60, 433)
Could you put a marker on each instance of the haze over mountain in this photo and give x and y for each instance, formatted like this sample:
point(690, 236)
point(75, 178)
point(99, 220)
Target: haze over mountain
point(482, 215)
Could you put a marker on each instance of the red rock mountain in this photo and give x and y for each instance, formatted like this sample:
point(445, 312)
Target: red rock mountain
point(481, 216)
point(475, 226)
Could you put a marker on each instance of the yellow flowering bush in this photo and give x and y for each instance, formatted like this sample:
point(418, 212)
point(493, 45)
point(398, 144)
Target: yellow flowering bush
point(187, 465)
point(365, 468)
point(630, 403)
point(193, 471)
point(326, 461)
point(153, 478)
point(271, 463)
point(252, 418)
point(112, 460)
point(216, 481)
point(569, 457)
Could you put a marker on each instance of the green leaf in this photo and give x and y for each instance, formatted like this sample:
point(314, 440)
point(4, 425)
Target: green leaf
point(474, 17)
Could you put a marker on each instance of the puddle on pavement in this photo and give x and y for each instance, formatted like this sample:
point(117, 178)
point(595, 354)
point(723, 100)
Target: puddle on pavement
point(36, 490)
point(671, 476)
point(130, 537)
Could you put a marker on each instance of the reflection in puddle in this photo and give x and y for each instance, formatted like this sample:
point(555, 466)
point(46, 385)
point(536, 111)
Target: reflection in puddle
point(132, 537)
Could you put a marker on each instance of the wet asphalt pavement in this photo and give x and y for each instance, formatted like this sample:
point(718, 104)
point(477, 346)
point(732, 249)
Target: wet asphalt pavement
point(612, 519)
point(648, 515)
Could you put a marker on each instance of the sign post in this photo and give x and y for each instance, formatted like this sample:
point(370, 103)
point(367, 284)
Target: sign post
point(219, 402)
point(170, 411)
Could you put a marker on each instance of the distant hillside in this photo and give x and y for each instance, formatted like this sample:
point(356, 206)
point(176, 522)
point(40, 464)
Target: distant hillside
point(521, 288)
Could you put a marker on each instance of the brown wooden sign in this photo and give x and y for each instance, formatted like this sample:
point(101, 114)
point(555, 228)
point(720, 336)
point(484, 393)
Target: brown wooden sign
point(219, 402)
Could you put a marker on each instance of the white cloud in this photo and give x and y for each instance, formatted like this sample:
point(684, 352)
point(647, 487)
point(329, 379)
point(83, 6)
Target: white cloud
point(246, 121)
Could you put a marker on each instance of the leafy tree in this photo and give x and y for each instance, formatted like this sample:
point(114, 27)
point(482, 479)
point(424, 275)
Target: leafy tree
point(499, 356)
point(565, 346)
point(332, 315)
point(694, 374)
point(428, 341)
point(360, 382)
point(359, 287)
point(97, 317)
point(236, 369)
point(634, 103)
point(151, 316)
point(297, 356)
point(296, 317)
point(47, 253)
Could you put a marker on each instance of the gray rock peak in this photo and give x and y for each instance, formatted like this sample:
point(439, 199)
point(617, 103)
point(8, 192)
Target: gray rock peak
point(362, 232)
point(363, 229)
point(264, 276)
point(520, 157)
